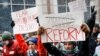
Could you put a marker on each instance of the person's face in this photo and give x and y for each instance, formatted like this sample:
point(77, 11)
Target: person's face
point(68, 46)
point(32, 46)
point(6, 42)
point(95, 29)
point(98, 39)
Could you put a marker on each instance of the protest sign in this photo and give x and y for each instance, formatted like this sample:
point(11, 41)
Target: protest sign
point(25, 21)
point(78, 5)
point(59, 27)
point(62, 27)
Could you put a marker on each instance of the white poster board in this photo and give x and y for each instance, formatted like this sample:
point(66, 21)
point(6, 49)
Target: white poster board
point(78, 5)
point(62, 27)
point(25, 21)
point(59, 27)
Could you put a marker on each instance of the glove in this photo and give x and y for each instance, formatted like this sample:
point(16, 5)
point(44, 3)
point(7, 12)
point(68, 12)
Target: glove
point(12, 24)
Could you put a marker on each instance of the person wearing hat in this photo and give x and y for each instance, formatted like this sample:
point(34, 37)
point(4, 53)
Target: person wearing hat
point(32, 43)
point(7, 38)
point(11, 46)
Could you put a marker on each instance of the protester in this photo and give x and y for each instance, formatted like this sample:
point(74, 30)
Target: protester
point(92, 39)
point(98, 39)
point(41, 49)
point(70, 48)
point(56, 52)
point(95, 31)
point(32, 44)
point(97, 50)
point(85, 49)
point(12, 47)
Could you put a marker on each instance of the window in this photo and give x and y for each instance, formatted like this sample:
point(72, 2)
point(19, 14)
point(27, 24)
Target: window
point(63, 5)
point(3, 1)
point(29, 6)
point(8, 6)
point(17, 1)
point(17, 7)
point(30, 1)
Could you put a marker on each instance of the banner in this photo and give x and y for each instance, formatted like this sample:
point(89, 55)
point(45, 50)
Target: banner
point(62, 27)
point(25, 21)
point(59, 27)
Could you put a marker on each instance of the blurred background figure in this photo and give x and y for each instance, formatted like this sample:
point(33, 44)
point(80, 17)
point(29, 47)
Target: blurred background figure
point(32, 44)
point(92, 39)
point(95, 31)
point(98, 39)
point(58, 45)
point(11, 47)
point(97, 50)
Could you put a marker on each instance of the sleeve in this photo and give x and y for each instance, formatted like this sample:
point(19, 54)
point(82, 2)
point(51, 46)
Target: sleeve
point(85, 44)
point(21, 42)
point(96, 52)
point(90, 22)
point(47, 47)
point(41, 49)
point(53, 50)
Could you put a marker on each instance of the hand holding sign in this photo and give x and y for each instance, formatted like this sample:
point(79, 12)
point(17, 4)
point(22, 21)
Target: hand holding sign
point(12, 24)
point(41, 30)
point(85, 28)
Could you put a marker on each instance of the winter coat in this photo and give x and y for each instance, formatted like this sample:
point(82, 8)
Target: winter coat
point(56, 52)
point(32, 53)
point(13, 50)
point(41, 49)
point(18, 48)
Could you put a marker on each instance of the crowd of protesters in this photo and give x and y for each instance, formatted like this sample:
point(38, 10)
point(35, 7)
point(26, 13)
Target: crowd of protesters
point(17, 45)
point(14, 45)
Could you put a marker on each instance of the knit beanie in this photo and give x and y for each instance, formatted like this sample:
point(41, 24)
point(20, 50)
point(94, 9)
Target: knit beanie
point(6, 35)
point(33, 40)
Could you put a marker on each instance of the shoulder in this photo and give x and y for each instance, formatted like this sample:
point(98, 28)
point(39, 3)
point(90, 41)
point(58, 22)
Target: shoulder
point(98, 48)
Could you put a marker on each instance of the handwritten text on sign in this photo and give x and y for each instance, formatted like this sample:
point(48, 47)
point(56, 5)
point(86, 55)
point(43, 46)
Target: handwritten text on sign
point(25, 21)
point(58, 35)
point(62, 27)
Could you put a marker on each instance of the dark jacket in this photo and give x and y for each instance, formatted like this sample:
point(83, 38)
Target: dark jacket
point(13, 50)
point(85, 45)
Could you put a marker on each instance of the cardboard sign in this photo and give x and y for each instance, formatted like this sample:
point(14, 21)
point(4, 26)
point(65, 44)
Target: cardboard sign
point(78, 5)
point(59, 27)
point(25, 21)
point(62, 27)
